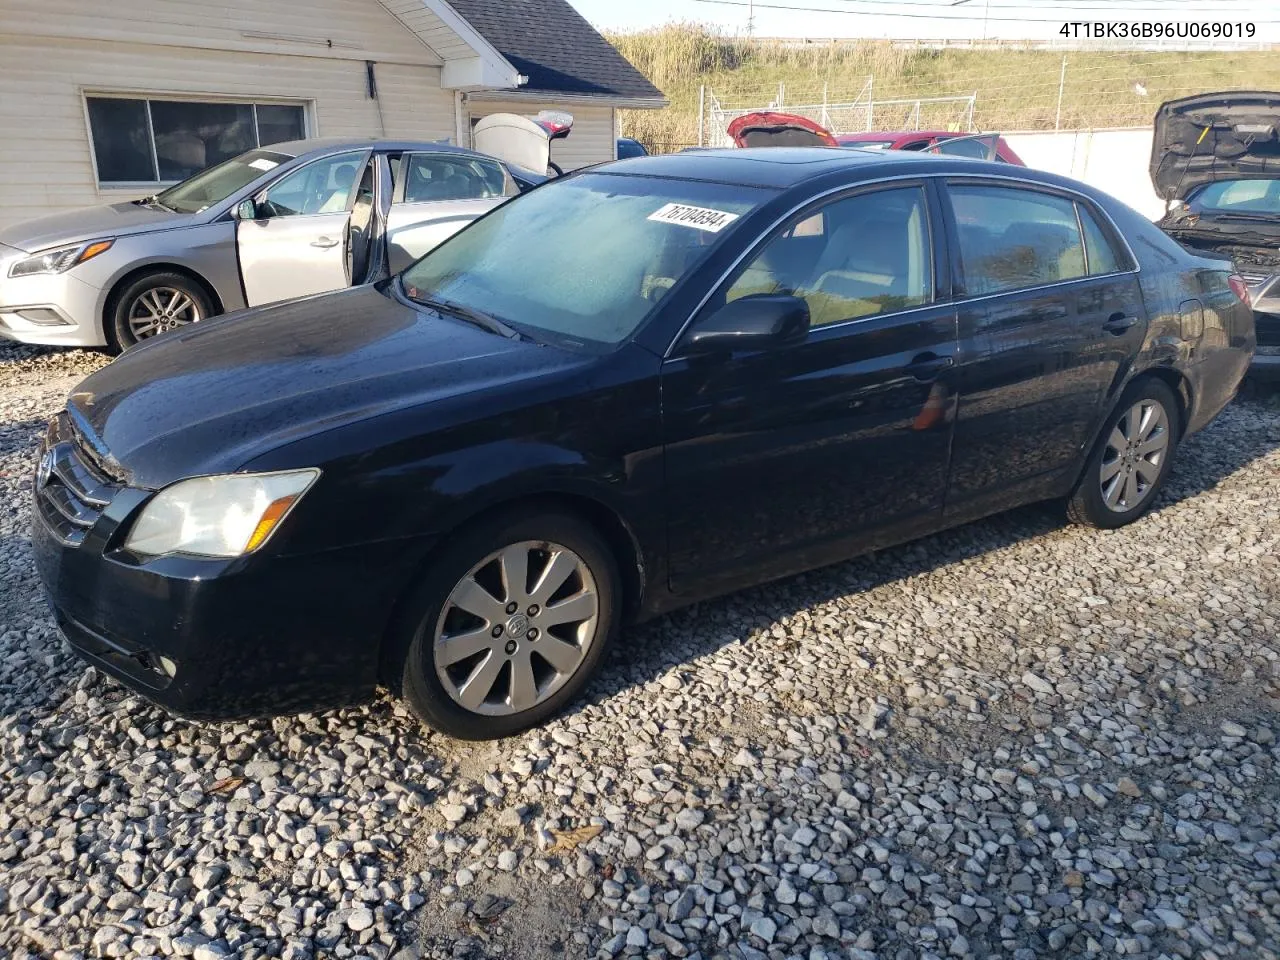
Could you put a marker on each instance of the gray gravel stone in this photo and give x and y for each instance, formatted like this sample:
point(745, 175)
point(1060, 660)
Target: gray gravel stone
point(1013, 739)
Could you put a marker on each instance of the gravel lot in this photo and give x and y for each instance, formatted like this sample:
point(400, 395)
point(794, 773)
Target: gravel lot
point(1016, 739)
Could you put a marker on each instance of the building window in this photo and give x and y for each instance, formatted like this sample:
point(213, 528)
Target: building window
point(163, 141)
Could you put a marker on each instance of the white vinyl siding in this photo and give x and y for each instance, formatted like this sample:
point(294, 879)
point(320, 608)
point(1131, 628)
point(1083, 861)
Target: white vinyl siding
point(593, 139)
point(45, 160)
point(338, 29)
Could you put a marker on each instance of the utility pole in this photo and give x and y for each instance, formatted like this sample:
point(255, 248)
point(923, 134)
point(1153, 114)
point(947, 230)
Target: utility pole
point(751, 17)
point(986, 13)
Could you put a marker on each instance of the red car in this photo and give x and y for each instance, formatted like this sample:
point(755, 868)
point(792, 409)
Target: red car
point(977, 146)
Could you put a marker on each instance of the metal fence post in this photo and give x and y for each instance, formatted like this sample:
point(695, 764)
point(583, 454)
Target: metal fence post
point(702, 102)
point(1062, 82)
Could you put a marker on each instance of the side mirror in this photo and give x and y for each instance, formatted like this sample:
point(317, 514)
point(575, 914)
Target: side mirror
point(246, 209)
point(752, 323)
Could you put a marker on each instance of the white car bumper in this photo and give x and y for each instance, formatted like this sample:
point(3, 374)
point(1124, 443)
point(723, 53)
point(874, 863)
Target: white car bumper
point(57, 309)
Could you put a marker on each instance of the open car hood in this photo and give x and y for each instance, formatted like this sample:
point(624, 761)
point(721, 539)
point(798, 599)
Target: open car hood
point(766, 129)
point(1215, 136)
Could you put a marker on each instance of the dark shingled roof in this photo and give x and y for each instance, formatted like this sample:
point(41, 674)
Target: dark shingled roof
point(550, 43)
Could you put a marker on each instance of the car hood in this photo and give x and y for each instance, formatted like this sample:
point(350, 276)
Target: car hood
point(212, 399)
point(90, 223)
point(1214, 136)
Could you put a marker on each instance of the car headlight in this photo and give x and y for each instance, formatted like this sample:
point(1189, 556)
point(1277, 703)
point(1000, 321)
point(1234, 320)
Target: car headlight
point(59, 259)
point(224, 516)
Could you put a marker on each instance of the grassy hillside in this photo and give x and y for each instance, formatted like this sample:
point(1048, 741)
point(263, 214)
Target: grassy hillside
point(1016, 89)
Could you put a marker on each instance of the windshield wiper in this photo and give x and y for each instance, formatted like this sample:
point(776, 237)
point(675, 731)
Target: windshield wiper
point(1249, 217)
point(475, 317)
point(154, 201)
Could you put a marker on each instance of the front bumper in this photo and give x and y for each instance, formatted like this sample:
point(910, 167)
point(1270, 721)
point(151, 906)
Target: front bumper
point(214, 639)
point(57, 309)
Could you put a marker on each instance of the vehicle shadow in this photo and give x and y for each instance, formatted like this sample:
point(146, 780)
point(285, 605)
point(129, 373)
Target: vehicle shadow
point(1246, 432)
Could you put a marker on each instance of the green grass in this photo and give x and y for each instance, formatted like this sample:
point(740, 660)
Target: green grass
point(1016, 89)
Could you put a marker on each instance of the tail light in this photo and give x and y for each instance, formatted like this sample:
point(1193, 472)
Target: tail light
point(1240, 289)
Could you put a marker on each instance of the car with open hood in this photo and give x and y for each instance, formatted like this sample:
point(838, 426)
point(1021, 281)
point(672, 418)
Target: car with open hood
point(1216, 162)
point(632, 388)
point(281, 221)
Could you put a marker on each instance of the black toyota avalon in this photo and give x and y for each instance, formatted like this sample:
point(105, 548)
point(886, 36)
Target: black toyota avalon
point(629, 389)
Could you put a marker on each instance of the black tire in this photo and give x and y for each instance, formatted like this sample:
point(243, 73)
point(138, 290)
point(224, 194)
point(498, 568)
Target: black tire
point(122, 334)
point(415, 630)
point(1088, 504)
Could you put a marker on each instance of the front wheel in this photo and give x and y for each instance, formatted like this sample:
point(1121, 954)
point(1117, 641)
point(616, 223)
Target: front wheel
point(1131, 458)
point(509, 625)
point(154, 304)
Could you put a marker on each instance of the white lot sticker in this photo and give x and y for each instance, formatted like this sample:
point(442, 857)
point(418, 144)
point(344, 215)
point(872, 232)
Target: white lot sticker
point(700, 218)
point(263, 164)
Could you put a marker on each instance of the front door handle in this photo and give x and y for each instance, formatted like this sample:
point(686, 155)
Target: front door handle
point(927, 366)
point(1118, 323)
point(324, 243)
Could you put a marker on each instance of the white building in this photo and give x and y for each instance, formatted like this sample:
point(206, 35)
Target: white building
point(106, 101)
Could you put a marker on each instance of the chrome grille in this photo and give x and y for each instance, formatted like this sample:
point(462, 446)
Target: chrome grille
point(71, 492)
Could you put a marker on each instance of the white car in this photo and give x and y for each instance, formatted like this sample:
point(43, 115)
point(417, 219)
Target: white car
point(278, 222)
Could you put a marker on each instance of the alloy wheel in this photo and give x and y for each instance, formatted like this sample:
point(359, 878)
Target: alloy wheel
point(516, 628)
point(1134, 456)
point(160, 309)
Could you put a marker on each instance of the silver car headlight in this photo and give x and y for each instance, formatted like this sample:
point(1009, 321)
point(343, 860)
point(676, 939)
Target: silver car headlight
point(59, 259)
point(223, 516)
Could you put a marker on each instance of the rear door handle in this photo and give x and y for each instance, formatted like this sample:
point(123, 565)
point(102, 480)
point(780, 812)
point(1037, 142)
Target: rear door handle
point(927, 366)
point(324, 243)
point(1118, 323)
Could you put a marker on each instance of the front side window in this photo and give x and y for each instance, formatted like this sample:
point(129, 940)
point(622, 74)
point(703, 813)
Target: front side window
point(586, 259)
point(138, 141)
point(1012, 238)
point(433, 177)
point(856, 257)
point(323, 186)
point(1239, 196)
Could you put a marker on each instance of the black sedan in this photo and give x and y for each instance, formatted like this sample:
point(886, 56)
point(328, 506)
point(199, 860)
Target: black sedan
point(624, 391)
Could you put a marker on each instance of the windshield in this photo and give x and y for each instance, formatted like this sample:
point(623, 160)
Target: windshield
point(868, 144)
point(1239, 196)
point(219, 182)
point(584, 259)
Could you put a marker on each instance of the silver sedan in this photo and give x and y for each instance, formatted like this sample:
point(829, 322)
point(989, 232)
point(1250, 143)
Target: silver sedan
point(284, 221)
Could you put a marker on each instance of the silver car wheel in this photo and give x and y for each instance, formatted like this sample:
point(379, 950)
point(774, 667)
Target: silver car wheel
point(1134, 456)
point(516, 628)
point(160, 309)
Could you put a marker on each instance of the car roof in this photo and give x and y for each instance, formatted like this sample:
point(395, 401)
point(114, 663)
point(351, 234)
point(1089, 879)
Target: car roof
point(316, 145)
point(782, 167)
point(899, 134)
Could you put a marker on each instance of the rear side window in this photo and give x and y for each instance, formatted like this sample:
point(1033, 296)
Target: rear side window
point(1012, 238)
point(429, 178)
point(1103, 256)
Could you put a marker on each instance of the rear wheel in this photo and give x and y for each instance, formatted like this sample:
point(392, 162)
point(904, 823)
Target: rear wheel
point(509, 625)
point(156, 303)
point(1131, 458)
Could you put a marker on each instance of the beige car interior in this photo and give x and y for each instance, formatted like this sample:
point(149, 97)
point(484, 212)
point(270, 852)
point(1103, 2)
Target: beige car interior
point(856, 258)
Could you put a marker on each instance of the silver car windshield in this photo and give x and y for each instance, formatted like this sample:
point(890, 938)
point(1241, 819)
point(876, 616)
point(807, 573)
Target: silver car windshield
point(585, 259)
point(219, 182)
